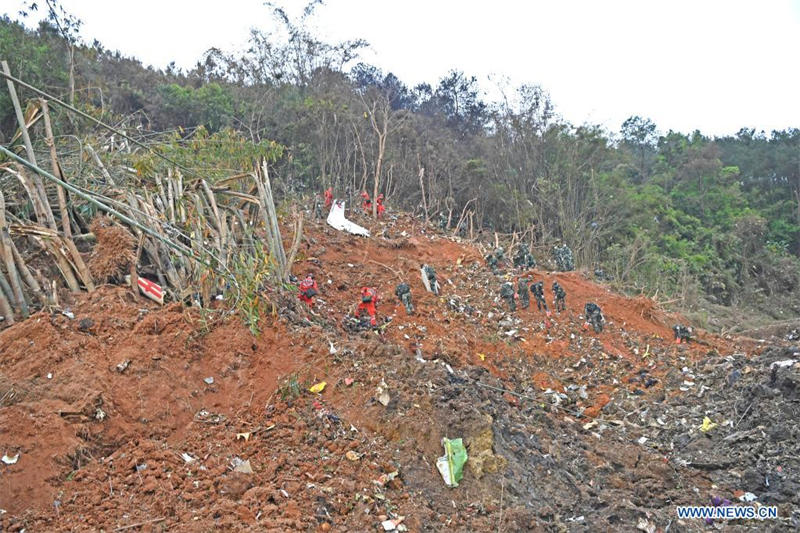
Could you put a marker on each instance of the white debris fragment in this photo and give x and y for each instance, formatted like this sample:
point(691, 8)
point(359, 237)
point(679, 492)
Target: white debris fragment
point(783, 364)
point(7, 459)
point(382, 393)
point(337, 220)
point(392, 525)
point(209, 380)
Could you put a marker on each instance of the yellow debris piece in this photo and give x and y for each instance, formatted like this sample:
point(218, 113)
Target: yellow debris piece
point(319, 387)
point(708, 425)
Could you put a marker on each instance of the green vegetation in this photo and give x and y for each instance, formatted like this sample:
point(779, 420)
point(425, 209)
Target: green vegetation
point(699, 220)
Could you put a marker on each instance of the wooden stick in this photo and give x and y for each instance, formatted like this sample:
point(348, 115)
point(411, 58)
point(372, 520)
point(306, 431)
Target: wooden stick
point(390, 269)
point(298, 236)
point(143, 523)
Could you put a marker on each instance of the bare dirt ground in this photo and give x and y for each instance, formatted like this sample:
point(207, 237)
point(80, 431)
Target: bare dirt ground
point(117, 421)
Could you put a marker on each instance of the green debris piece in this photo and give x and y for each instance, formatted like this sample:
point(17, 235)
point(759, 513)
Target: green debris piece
point(451, 464)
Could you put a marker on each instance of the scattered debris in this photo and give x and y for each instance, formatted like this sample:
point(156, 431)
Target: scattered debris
point(121, 367)
point(209, 380)
point(9, 460)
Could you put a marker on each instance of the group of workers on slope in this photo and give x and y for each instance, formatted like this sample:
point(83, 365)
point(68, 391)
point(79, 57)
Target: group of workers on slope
point(367, 308)
point(366, 203)
point(523, 259)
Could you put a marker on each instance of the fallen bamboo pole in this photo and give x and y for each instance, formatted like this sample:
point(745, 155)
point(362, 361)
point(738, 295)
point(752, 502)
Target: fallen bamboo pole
point(8, 258)
point(62, 197)
point(39, 185)
point(103, 207)
point(30, 281)
point(11, 79)
point(5, 307)
point(77, 259)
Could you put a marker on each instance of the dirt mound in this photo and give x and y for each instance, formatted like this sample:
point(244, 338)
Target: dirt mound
point(129, 413)
point(114, 251)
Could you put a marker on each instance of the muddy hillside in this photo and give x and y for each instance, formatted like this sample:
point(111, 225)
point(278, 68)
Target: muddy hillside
point(122, 414)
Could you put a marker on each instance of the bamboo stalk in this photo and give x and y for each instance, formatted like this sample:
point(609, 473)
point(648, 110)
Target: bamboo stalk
point(5, 294)
point(37, 180)
point(77, 259)
point(271, 218)
point(36, 201)
point(170, 199)
point(8, 258)
point(26, 275)
point(62, 197)
point(99, 163)
point(64, 266)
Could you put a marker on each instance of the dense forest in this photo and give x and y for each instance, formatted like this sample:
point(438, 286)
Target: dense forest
point(706, 223)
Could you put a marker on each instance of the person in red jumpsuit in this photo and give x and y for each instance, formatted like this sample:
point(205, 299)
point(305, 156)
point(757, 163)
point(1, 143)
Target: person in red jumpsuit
point(308, 289)
point(369, 299)
point(328, 197)
point(381, 208)
point(366, 203)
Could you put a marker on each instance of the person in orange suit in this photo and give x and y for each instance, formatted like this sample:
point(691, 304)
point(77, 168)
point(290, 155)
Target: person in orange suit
point(381, 207)
point(308, 289)
point(369, 301)
point(366, 203)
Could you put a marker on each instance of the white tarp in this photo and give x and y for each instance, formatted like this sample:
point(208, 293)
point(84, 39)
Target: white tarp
point(336, 219)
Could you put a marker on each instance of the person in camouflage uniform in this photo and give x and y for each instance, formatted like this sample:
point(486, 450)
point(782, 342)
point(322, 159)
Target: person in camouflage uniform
point(562, 255)
point(524, 258)
point(403, 292)
point(494, 259)
point(594, 317)
point(318, 207)
point(430, 274)
point(537, 289)
point(522, 290)
point(491, 262)
point(507, 294)
point(682, 334)
point(559, 297)
point(442, 221)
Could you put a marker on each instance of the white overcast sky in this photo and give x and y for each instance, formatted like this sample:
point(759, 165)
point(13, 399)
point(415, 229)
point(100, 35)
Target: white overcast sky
point(713, 65)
